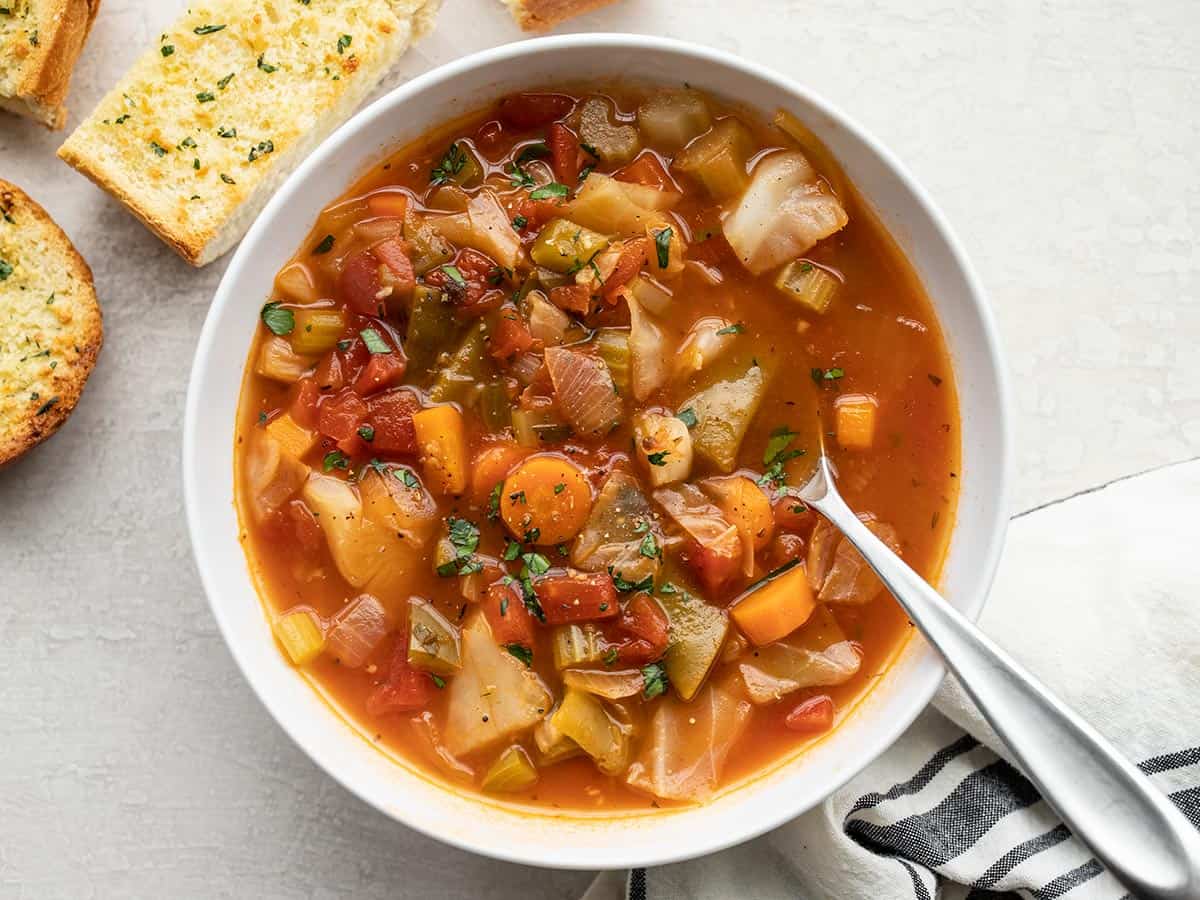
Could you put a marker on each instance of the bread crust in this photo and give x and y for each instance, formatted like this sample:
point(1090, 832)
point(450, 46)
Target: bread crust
point(43, 90)
point(538, 15)
point(34, 426)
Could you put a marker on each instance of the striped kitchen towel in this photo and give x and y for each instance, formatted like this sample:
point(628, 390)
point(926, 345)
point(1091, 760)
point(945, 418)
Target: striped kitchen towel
point(1097, 595)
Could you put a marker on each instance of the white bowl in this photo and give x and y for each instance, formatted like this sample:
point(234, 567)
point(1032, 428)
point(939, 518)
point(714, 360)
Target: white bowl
point(466, 820)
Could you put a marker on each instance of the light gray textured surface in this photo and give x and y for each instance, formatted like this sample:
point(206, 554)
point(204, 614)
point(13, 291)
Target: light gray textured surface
point(1059, 138)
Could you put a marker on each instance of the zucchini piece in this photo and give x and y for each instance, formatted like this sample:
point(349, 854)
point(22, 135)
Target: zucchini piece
point(613, 346)
point(513, 770)
point(469, 367)
point(576, 644)
point(562, 246)
point(431, 327)
point(433, 643)
point(697, 634)
point(583, 719)
point(724, 411)
point(317, 330)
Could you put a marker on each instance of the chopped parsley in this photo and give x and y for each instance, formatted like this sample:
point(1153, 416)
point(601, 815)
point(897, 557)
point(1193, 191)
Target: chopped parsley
point(735, 328)
point(375, 344)
point(224, 132)
point(519, 178)
point(455, 275)
point(344, 43)
point(451, 164)
point(776, 455)
point(225, 178)
point(610, 656)
point(47, 406)
point(658, 459)
point(188, 142)
point(464, 538)
point(521, 652)
point(687, 417)
point(167, 49)
point(511, 551)
point(224, 82)
point(553, 190)
point(335, 459)
point(519, 222)
point(493, 511)
point(516, 497)
point(560, 487)
point(207, 29)
point(824, 376)
point(6, 269)
point(261, 149)
point(205, 97)
point(629, 587)
point(662, 242)
point(324, 246)
point(438, 681)
point(655, 678)
point(649, 547)
point(536, 563)
point(158, 149)
point(366, 432)
point(265, 66)
point(530, 152)
point(410, 480)
point(281, 321)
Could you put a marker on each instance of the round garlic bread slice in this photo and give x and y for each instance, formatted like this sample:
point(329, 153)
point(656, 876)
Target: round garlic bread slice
point(50, 325)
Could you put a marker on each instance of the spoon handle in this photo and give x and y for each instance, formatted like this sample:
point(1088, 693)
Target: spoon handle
point(1132, 827)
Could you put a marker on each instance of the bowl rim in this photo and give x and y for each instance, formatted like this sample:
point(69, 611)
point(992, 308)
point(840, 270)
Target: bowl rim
point(925, 683)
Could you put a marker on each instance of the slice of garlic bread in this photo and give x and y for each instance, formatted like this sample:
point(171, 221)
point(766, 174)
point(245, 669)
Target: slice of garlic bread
point(50, 327)
point(40, 41)
point(538, 15)
point(202, 129)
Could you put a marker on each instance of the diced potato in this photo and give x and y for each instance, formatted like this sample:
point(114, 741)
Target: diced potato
point(584, 719)
point(301, 636)
point(317, 330)
point(776, 607)
point(295, 283)
point(603, 204)
point(697, 633)
point(724, 411)
point(512, 771)
point(671, 118)
point(576, 644)
point(616, 143)
point(433, 643)
point(443, 442)
point(294, 439)
point(718, 158)
point(856, 415)
point(279, 362)
point(563, 246)
point(650, 197)
point(808, 285)
point(664, 447)
point(745, 505)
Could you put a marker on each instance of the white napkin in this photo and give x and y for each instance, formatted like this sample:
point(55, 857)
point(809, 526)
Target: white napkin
point(1097, 596)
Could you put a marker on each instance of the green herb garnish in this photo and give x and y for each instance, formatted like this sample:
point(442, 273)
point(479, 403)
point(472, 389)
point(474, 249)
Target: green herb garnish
point(324, 246)
point(553, 190)
point(655, 678)
point(375, 344)
point(280, 320)
point(662, 242)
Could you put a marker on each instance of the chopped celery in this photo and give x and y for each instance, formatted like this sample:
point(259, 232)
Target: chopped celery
point(535, 427)
point(467, 368)
point(613, 346)
point(294, 439)
point(431, 325)
point(584, 719)
point(697, 633)
point(575, 644)
point(718, 158)
point(279, 362)
point(807, 284)
point(723, 412)
point(317, 330)
point(563, 246)
point(428, 248)
point(495, 406)
point(301, 636)
point(512, 771)
point(672, 118)
point(432, 641)
point(616, 143)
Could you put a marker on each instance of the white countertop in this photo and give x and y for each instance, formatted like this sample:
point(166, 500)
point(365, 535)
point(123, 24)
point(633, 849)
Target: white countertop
point(1060, 139)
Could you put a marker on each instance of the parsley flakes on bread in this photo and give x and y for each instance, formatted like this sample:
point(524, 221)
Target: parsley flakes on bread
point(40, 40)
point(50, 326)
point(208, 122)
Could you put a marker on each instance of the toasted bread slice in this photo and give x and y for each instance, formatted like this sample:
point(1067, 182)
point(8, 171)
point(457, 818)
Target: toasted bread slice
point(538, 15)
point(39, 43)
point(50, 327)
point(201, 130)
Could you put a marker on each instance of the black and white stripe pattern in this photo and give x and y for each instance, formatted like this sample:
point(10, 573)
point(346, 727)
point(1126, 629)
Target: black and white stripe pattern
point(968, 826)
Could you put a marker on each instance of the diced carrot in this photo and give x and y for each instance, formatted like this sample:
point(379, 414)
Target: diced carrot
point(442, 440)
point(341, 415)
point(383, 370)
point(776, 607)
point(531, 110)
point(507, 614)
point(391, 416)
point(510, 335)
point(391, 204)
point(573, 298)
point(546, 500)
point(491, 465)
point(856, 414)
point(647, 170)
point(629, 263)
point(813, 716)
point(577, 597)
point(564, 153)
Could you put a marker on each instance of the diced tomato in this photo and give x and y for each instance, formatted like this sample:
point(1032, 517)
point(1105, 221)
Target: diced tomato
point(406, 689)
point(476, 293)
point(506, 613)
point(339, 367)
point(303, 405)
point(813, 716)
point(383, 370)
point(490, 135)
point(573, 298)
point(564, 153)
point(510, 335)
point(391, 415)
point(353, 446)
point(400, 277)
point(341, 414)
point(577, 597)
point(305, 527)
point(785, 547)
point(359, 283)
point(714, 569)
point(641, 634)
point(391, 204)
point(531, 110)
point(629, 263)
point(537, 212)
point(647, 170)
point(792, 515)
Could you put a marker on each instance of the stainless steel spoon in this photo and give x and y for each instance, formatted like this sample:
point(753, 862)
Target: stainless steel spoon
point(1131, 827)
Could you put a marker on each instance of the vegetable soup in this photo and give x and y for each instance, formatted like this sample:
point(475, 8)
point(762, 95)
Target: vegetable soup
point(520, 433)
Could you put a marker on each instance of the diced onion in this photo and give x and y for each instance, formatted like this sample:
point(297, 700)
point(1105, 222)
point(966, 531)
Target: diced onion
point(584, 390)
point(357, 630)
